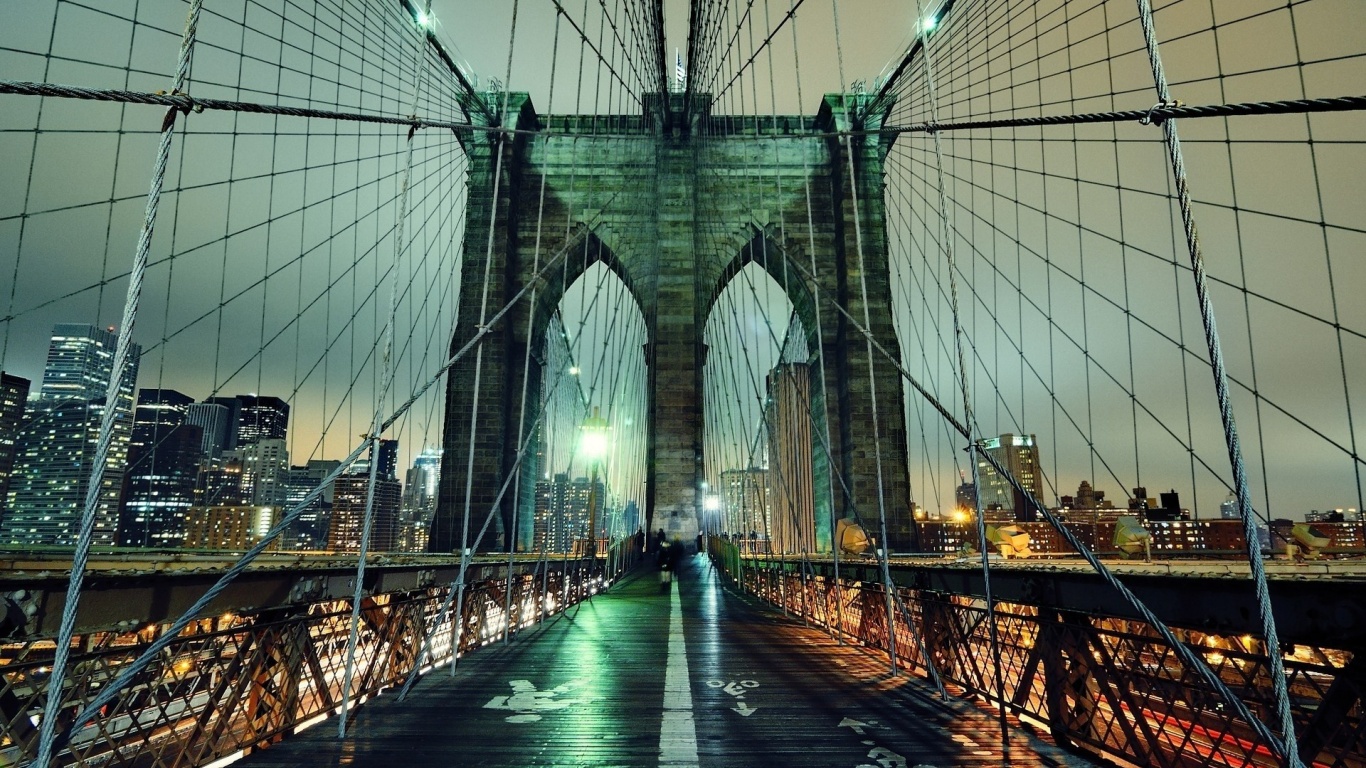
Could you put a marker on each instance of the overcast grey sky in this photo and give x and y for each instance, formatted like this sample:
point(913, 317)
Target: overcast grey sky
point(287, 219)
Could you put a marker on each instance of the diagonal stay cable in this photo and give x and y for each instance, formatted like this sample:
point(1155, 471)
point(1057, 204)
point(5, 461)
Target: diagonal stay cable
point(1288, 747)
point(118, 373)
point(1187, 657)
point(149, 654)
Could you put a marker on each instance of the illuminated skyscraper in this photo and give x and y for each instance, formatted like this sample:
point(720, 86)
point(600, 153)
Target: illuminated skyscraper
point(562, 512)
point(253, 418)
point(309, 530)
point(1018, 455)
point(744, 494)
point(163, 461)
point(265, 467)
point(215, 420)
point(56, 447)
point(13, 396)
point(388, 461)
point(791, 493)
point(419, 500)
point(261, 418)
point(348, 514)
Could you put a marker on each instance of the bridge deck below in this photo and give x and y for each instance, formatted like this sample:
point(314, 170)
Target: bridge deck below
point(693, 676)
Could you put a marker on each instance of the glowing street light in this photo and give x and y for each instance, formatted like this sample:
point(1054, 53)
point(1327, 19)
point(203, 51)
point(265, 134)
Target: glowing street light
point(594, 443)
point(711, 503)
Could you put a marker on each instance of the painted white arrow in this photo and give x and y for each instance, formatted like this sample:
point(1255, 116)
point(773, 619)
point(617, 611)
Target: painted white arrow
point(852, 723)
point(745, 710)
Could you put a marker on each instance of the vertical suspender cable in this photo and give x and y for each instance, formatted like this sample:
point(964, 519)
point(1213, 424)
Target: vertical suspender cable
point(425, 649)
point(387, 375)
point(61, 656)
point(1290, 746)
point(526, 366)
point(946, 243)
point(885, 549)
point(835, 619)
point(497, 140)
point(884, 552)
point(353, 633)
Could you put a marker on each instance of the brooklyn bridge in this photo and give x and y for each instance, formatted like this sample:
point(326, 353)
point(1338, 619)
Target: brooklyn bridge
point(682, 383)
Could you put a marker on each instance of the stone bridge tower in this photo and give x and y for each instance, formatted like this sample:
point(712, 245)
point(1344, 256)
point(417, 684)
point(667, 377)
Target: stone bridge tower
point(662, 213)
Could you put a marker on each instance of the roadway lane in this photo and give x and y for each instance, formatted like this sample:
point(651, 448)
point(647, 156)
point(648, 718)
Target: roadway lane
point(696, 675)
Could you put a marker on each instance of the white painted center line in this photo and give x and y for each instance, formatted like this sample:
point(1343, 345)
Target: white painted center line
point(677, 732)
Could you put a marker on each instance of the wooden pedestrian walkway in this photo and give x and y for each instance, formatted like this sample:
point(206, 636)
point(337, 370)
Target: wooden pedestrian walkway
point(695, 675)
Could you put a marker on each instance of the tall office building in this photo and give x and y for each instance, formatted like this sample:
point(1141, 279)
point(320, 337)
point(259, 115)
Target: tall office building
point(215, 420)
point(159, 488)
point(745, 499)
point(265, 466)
point(561, 516)
point(163, 463)
point(791, 492)
point(1228, 508)
point(56, 447)
point(309, 530)
point(229, 527)
point(157, 411)
point(233, 407)
point(419, 500)
point(1019, 455)
point(252, 418)
point(261, 418)
point(219, 483)
point(13, 396)
point(80, 360)
point(388, 461)
point(348, 514)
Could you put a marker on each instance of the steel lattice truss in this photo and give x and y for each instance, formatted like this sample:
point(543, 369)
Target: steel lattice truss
point(1106, 684)
point(241, 681)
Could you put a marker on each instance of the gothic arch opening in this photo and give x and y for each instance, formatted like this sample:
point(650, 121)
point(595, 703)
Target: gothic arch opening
point(592, 360)
point(759, 435)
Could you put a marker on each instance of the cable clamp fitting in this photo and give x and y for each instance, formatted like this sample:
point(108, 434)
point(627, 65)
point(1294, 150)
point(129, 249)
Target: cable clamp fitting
point(1148, 119)
point(168, 121)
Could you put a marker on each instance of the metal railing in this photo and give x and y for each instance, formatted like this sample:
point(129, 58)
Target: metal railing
point(1105, 684)
point(240, 681)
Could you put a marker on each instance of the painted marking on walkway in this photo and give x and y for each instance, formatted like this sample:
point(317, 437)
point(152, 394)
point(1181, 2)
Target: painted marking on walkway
point(850, 722)
point(526, 701)
point(887, 758)
point(677, 732)
point(736, 688)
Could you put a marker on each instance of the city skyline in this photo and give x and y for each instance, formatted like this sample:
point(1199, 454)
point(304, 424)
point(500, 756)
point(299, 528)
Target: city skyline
point(248, 322)
point(267, 417)
point(169, 481)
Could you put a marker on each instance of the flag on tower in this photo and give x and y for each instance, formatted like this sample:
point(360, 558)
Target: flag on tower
point(680, 76)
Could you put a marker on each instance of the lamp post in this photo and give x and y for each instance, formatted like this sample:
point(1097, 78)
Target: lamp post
point(593, 443)
point(712, 505)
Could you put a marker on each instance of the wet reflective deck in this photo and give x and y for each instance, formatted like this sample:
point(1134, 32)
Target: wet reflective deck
point(695, 675)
